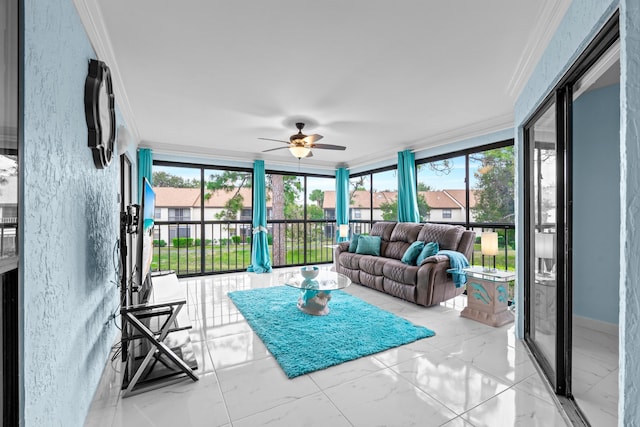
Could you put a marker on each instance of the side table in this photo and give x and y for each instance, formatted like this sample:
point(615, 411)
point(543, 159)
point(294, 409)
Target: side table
point(487, 296)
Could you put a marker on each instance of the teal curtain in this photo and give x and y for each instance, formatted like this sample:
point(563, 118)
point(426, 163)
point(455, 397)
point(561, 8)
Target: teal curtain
point(260, 262)
point(145, 162)
point(407, 194)
point(342, 200)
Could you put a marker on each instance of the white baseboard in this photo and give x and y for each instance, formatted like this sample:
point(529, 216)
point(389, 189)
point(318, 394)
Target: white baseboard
point(595, 325)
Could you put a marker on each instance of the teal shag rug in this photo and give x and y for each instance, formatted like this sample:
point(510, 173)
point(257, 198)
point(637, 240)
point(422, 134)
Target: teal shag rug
point(302, 343)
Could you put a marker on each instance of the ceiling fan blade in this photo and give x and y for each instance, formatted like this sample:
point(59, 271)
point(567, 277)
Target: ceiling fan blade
point(274, 149)
point(329, 147)
point(312, 138)
point(309, 155)
point(276, 140)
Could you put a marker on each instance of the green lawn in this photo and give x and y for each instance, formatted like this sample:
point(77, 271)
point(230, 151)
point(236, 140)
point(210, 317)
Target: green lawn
point(500, 258)
point(238, 257)
point(225, 258)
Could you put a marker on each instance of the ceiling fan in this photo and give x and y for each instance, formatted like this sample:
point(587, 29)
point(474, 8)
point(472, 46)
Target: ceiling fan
point(300, 145)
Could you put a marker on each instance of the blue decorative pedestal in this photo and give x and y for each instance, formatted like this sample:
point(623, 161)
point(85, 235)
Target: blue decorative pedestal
point(487, 296)
point(314, 302)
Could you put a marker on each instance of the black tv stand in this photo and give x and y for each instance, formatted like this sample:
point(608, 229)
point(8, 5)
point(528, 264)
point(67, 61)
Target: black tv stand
point(159, 350)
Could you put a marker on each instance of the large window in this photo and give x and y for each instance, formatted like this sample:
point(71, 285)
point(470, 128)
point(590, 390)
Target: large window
point(201, 224)
point(441, 189)
point(373, 196)
point(491, 175)
point(384, 187)
point(204, 218)
point(302, 218)
point(474, 188)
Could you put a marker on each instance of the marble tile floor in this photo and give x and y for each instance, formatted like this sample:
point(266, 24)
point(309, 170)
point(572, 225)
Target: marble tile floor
point(595, 375)
point(469, 374)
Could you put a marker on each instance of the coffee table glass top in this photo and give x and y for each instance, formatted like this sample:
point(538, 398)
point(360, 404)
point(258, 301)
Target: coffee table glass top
point(315, 293)
point(325, 280)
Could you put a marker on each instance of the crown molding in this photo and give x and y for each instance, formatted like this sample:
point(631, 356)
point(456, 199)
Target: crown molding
point(548, 20)
point(93, 22)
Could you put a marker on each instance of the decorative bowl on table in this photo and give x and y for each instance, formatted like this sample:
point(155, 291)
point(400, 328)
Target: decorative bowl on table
point(309, 272)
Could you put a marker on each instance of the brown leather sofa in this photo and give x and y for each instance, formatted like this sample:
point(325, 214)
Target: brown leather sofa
point(426, 284)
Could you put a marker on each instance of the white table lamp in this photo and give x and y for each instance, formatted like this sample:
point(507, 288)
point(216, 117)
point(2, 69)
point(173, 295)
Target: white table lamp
point(343, 230)
point(489, 246)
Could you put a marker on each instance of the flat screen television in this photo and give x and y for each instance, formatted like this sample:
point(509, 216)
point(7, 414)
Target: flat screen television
point(145, 242)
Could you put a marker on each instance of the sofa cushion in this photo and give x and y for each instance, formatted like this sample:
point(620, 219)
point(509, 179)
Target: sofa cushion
point(397, 271)
point(429, 249)
point(412, 253)
point(447, 236)
point(372, 264)
point(354, 243)
point(405, 232)
point(382, 229)
point(369, 245)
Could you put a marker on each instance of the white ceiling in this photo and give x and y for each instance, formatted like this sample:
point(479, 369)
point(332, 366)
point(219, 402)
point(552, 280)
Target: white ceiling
point(206, 78)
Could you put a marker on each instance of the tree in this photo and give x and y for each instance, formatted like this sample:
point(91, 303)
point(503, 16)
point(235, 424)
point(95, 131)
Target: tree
point(284, 193)
point(316, 211)
point(279, 233)
point(424, 187)
point(356, 185)
point(317, 196)
point(229, 182)
point(164, 179)
point(390, 209)
point(495, 189)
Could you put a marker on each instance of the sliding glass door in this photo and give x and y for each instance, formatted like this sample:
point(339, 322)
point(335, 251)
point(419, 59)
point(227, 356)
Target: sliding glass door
point(571, 147)
point(542, 149)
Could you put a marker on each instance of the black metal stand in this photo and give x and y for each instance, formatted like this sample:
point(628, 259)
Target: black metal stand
point(146, 375)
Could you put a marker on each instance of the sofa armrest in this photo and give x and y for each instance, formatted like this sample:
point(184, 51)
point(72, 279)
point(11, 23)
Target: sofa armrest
point(434, 283)
point(434, 259)
point(341, 247)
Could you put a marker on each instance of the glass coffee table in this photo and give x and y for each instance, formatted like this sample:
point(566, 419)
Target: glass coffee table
point(315, 293)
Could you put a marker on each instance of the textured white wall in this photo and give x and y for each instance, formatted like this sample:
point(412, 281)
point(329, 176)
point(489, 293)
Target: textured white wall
point(71, 224)
point(629, 379)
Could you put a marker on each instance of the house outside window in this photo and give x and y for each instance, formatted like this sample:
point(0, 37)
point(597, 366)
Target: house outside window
point(356, 213)
point(446, 213)
point(330, 213)
point(177, 231)
point(179, 214)
point(10, 214)
point(245, 214)
point(158, 213)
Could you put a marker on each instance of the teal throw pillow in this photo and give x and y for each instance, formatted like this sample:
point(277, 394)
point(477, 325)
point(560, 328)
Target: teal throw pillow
point(429, 249)
point(412, 252)
point(354, 243)
point(369, 245)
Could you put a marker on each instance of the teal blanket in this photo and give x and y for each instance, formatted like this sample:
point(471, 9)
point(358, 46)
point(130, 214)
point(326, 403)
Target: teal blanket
point(457, 262)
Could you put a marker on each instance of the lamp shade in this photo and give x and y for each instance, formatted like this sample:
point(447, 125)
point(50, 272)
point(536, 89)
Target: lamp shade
point(545, 245)
point(343, 231)
point(299, 151)
point(489, 243)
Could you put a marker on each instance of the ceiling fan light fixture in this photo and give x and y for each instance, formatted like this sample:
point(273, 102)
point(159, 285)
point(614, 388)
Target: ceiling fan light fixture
point(299, 151)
